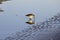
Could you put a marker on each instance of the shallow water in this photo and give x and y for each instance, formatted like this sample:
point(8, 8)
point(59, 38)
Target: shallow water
point(13, 18)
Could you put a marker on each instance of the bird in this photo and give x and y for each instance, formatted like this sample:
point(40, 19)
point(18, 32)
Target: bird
point(31, 17)
point(1, 10)
point(3, 1)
